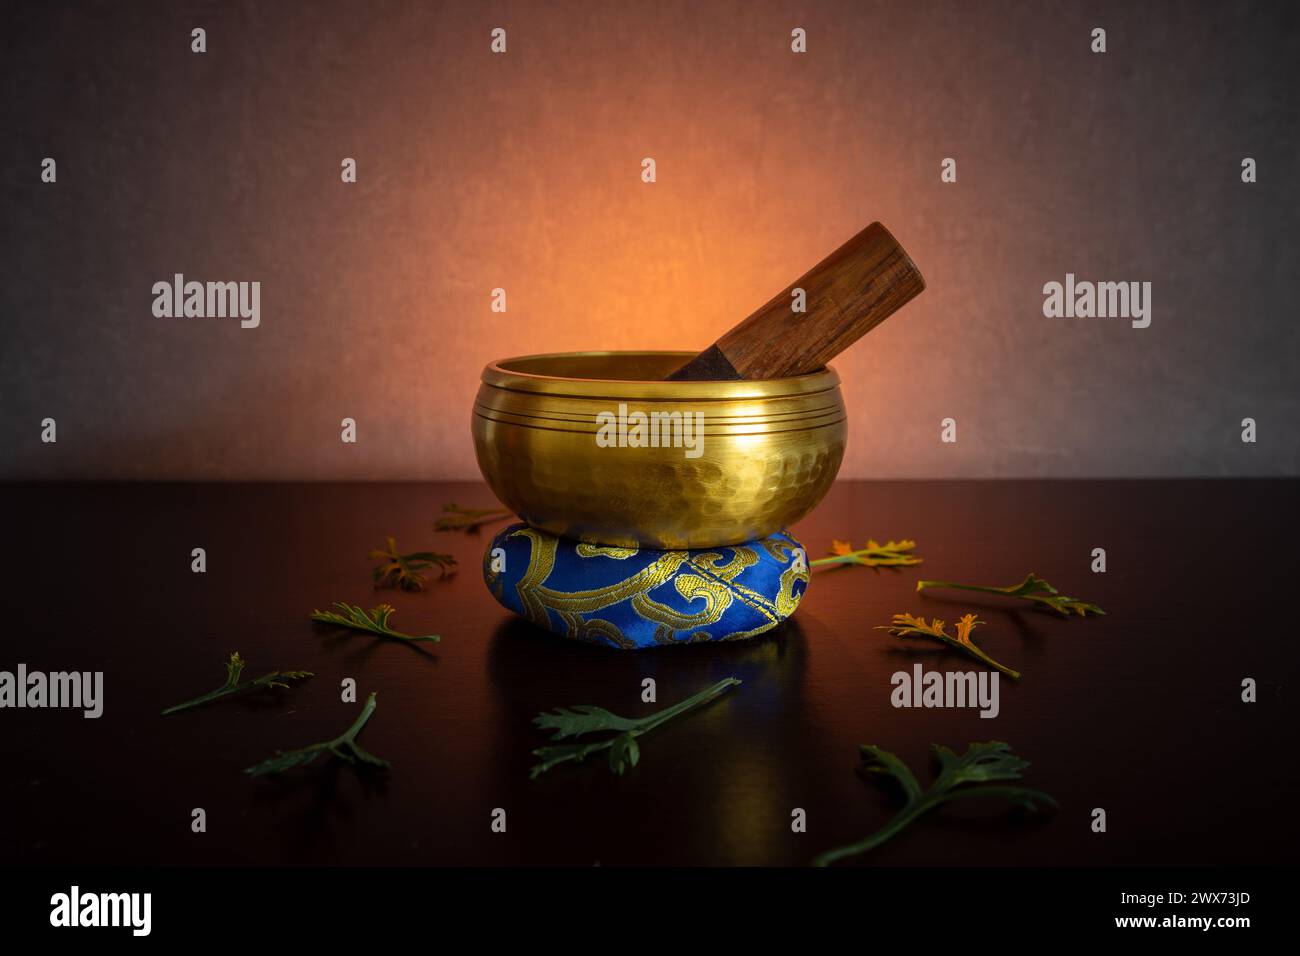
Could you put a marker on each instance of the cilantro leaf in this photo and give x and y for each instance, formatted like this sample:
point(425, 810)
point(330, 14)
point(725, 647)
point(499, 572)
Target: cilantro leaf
point(1032, 588)
point(344, 746)
point(403, 570)
point(374, 621)
point(972, 774)
point(624, 751)
point(905, 625)
point(456, 518)
point(232, 686)
point(891, 554)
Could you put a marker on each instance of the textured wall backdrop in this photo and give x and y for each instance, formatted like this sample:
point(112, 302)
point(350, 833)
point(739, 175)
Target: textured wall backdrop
point(522, 171)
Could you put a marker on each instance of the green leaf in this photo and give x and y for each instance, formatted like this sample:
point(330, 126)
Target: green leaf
point(232, 686)
point(892, 554)
point(562, 753)
point(403, 570)
point(992, 760)
point(876, 760)
point(960, 777)
point(374, 621)
point(234, 668)
point(1032, 588)
point(344, 746)
point(906, 625)
point(624, 751)
point(456, 518)
point(581, 719)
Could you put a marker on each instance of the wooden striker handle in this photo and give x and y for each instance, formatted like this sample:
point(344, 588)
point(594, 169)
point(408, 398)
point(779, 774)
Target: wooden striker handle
point(848, 294)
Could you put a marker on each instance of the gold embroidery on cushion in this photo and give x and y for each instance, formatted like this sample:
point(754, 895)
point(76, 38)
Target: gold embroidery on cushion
point(714, 584)
point(786, 601)
point(600, 551)
point(665, 635)
point(717, 598)
point(541, 561)
point(783, 550)
point(779, 548)
point(743, 635)
point(596, 631)
point(584, 602)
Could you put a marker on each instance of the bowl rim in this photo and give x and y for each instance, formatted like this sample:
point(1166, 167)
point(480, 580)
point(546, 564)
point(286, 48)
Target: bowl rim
point(497, 375)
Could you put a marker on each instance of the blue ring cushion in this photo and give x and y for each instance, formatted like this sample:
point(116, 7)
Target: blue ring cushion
point(633, 598)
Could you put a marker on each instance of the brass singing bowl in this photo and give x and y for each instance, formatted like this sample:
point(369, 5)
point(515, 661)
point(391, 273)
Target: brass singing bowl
point(547, 442)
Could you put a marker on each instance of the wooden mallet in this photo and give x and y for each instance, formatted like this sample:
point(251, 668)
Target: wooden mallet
point(846, 295)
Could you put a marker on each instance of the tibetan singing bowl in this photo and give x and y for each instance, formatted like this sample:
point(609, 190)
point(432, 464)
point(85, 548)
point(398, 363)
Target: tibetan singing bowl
point(595, 446)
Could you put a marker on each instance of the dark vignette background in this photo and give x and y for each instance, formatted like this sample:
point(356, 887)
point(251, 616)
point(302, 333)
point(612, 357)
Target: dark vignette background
point(522, 171)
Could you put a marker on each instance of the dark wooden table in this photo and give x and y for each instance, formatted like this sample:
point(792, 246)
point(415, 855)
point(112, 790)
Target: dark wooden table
point(1138, 712)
